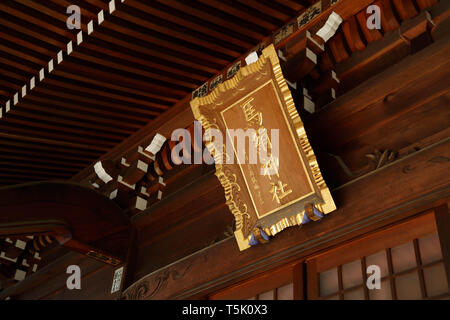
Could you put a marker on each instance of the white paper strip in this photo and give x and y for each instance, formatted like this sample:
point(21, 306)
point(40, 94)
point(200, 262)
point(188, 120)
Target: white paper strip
point(20, 275)
point(90, 27)
point(123, 161)
point(281, 55)
point(112, 6)
point(311, 56)
point(309, 105)
point(333, 74)
point(80, 37)
point(113, 194)
point(293, 85)
point(330, 27)
point(20, 244)
point(156, 144)
point(101, 173)
point(141, 203)
point(59, 57)
point(69, 48)
point(50, 66)
point(251, 58)
point(100, 17)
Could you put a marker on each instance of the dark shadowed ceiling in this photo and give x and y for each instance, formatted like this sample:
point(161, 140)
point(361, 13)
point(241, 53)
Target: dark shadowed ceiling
point(143, 58)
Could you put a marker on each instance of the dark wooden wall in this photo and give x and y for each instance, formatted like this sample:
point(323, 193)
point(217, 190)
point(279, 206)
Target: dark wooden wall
point(397, 114)
point(401, 117)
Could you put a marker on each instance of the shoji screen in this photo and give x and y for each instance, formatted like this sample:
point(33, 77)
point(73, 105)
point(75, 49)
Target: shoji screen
point(409, 258)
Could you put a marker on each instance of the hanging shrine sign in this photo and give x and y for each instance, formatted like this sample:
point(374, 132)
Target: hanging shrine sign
point(263, 158)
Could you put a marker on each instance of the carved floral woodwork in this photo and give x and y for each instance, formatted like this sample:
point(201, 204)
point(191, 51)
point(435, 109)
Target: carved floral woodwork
point(258, 98)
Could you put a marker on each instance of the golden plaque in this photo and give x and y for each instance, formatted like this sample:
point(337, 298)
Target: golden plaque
point(276, 182)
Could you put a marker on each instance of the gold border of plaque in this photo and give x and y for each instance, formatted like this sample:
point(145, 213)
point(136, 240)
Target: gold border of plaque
point(246, 193)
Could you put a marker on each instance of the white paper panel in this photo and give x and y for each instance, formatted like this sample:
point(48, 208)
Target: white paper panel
point(379, 259)
point(352, 274)
point(266, 295)
point(286, 292)
point(403, 257)
point(357, 294)
point(408, 286)
point(329, 282)
point(435, 280)
point(430, 248)
point(384, 293)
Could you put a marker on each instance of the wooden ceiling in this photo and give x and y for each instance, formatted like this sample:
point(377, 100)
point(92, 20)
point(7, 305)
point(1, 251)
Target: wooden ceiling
point(407, 101)
point(138, 63)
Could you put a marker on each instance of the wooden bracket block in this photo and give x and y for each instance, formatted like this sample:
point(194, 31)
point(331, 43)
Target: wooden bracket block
point(423, 4)
point(124, 192)
point(314, 44)
point(418, 31)
point(440, 14)
point(96, 183)
point(378, 56)
point(135, 172)
point(300, 57)
point(166, 157)
point(306, 101)
point(154, 192)
point(324, 83)
point(325, 62)
point(124, 164)
point(158, 166)
point(337, 48)
point(324, 98)
point(141, 154)
point(388, 20)
point(352, 36)
point(142, 190)
point(413, 28)
point(138, 204)
point(109, 187)
point(299, 65)
point(405, 9)
point(369, 34)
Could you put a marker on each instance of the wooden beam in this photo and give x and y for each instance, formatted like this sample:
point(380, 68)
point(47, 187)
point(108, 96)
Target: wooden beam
point(298, 278)
point(430, 61)
point(94, 221)
point(258, 284)
point(50, 281)
point(389, 194)
point(180, 115)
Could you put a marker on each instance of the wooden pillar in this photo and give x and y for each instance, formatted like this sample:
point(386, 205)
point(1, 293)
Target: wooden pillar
point(442, 215)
